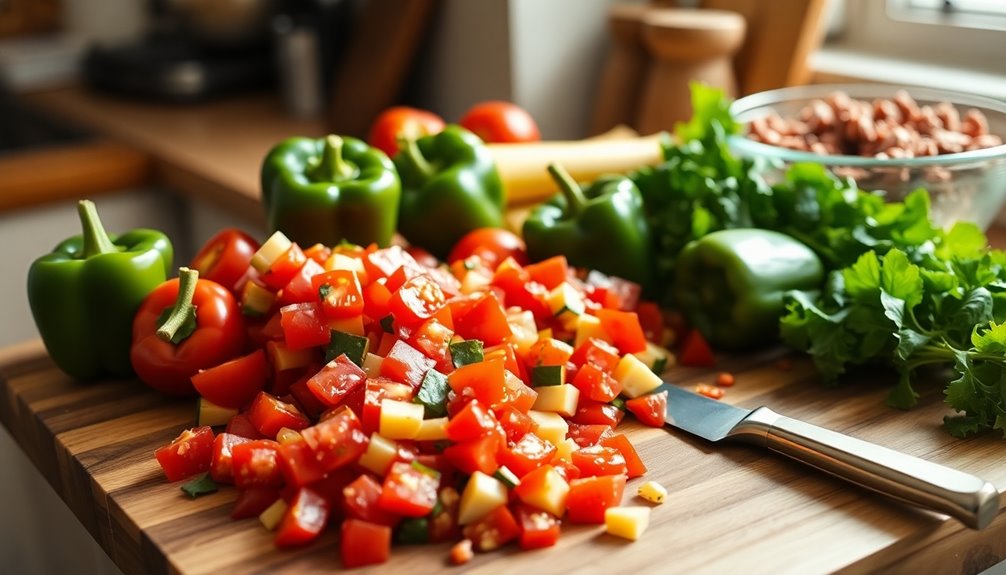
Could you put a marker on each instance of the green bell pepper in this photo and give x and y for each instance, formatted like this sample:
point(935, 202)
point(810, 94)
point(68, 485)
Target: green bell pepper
point(730, 284)
point(450, 186)
point(330, 190)
point(602, 227)
point(84, 294)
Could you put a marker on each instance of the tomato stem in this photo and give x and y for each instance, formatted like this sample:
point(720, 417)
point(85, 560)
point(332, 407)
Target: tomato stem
point(570, 190)
point(96, 240)
point(183, 312)
point(332, 167)
point(409, 148)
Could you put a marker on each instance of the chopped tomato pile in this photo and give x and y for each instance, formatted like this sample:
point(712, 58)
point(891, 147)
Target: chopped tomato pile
point(476, 402)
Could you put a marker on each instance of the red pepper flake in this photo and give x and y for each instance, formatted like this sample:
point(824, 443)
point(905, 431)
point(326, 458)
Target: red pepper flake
point(709, 391)
point(725, 379)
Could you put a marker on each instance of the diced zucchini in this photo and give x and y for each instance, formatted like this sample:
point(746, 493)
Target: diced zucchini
point(338, 261)
point(588, 326)
point(626, 522)
point(474, 281)
point(283, 358)
point(256, 299)
point(635, 376)
point(466, 352)
point(655, 357)
point(211, 414)
point(372, 365)
point(551, 495)
point(561, 399)
point(400, 419)
point(432, 394)
point(413, 531)
point(509, 478)
point(551, 426)
point(548, 375)
point(354, 346)
point(482, 494)
point(203, 484)
point(380, 454)
point(565, 302)
point(287, 435)
point(652, 492)
point(525, 331)
point(432, 430)
point(352, 325)
point(273, 514)
point(271, 250)
point(388, 324)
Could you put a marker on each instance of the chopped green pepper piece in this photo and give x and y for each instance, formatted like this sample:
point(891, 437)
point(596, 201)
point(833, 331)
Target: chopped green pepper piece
point(659, 365)
point(433, 394)
point(388, 323)
point(466, 352)
point(425, 469)
point(354, 346)
point(413, 531)
point(201, 485)
point(548, 375)
point(619, 403)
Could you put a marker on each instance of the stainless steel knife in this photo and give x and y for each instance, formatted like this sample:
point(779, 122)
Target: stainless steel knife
point(970, 499)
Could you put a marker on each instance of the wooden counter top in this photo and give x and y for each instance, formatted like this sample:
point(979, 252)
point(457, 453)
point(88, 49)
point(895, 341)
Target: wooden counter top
point(210, 150)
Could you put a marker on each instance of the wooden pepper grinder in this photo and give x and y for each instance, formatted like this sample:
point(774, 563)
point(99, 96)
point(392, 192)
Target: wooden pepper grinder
point(624, 69)
point(686, 45)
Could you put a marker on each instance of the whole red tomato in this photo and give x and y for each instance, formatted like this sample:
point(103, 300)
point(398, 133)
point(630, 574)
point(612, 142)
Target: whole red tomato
point(501, 122)
point(168, 365)
point(225, 257)
point(493, 245)
point(396, 121)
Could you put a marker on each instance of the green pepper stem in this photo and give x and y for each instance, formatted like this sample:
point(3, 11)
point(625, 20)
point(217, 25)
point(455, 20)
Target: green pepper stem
point(569, 188)
point(409, 147)
point(96, 240)
point(183, 309)
point(332, 167)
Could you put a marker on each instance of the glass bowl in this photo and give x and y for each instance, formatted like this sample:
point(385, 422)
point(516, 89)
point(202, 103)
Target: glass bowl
point(968, 185)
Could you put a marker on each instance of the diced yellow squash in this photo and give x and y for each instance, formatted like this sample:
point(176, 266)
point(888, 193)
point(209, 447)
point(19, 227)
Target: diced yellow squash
point(588, 326)
point(271, 250)
point(353, 325)
point(432, 430)
point(561, 399)
point(287, 435)
point(380, 453)
point(635, 376)
point(474, 281)
point(212, 414)
point(565, 302)
point(372, 364)
point(565, 449)
point(482, 494)
point(338, 261)
point(627, 522)
point(652, 492)
point(283, 358)
point(551, 426)
point(256, 299)
point(552, 495)
point(400, 419)
point(525, 331)
point(545, 333)
point(656, 357)
point(272, 515)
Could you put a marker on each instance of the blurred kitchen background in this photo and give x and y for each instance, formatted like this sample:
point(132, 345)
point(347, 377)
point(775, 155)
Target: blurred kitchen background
point(155, 108)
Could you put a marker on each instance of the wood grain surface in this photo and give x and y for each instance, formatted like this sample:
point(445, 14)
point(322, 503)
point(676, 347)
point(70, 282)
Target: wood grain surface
point(731, 508)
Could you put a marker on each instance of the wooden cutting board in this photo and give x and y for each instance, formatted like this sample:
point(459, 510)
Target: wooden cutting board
point(731, 508)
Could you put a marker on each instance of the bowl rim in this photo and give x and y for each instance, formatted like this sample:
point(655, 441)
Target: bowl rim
point(768, 98)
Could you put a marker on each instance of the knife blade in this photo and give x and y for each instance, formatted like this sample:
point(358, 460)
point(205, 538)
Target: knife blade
point(970, 499)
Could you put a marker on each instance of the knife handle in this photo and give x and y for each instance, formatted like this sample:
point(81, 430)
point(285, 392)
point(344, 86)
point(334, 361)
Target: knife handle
point(972, 500)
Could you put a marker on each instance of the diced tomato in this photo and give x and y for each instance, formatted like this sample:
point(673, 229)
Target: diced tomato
point(359, 501)
point(596, 384)
point(599, 460)
point(589, 497)
point(517, 394)
point(252, 501)
point(461, 552)
point(550, 273)
point(651, 319)
point(623, 328)
point(304, 325)
point(221, 468)
point(649, 409)
point(331, 486)
point(598, 352)
point(549, 351)
point(318, 252)
point(709, 391)
point(304, 520)
point(586, 435)
point(339, 292)
point(473, 421)
point(593, 412)
point(377, 389)
point(486, 380)
point(233, 383)
point(634, 466)
point(406, 364)
point(188, 454)
point(528, 454)
point(419, 299)
point(239, 425)
point(485, 321)
point(566, 469)
point(284, 268)
point(298, 464)
point(256, 464)
point(307, 401)
point(268, 414)
point(384, 262)
point(376, 297)
point(508, 353)
point(336, 440)
point(363, 543)
point(514, 422)
point(492, 531)
point(409, 490)
point(520, 291)
point(695, 351)
point(300, 287)
point(432, 338)
point(336, 380)
point(537, 528)
point(475, 455)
